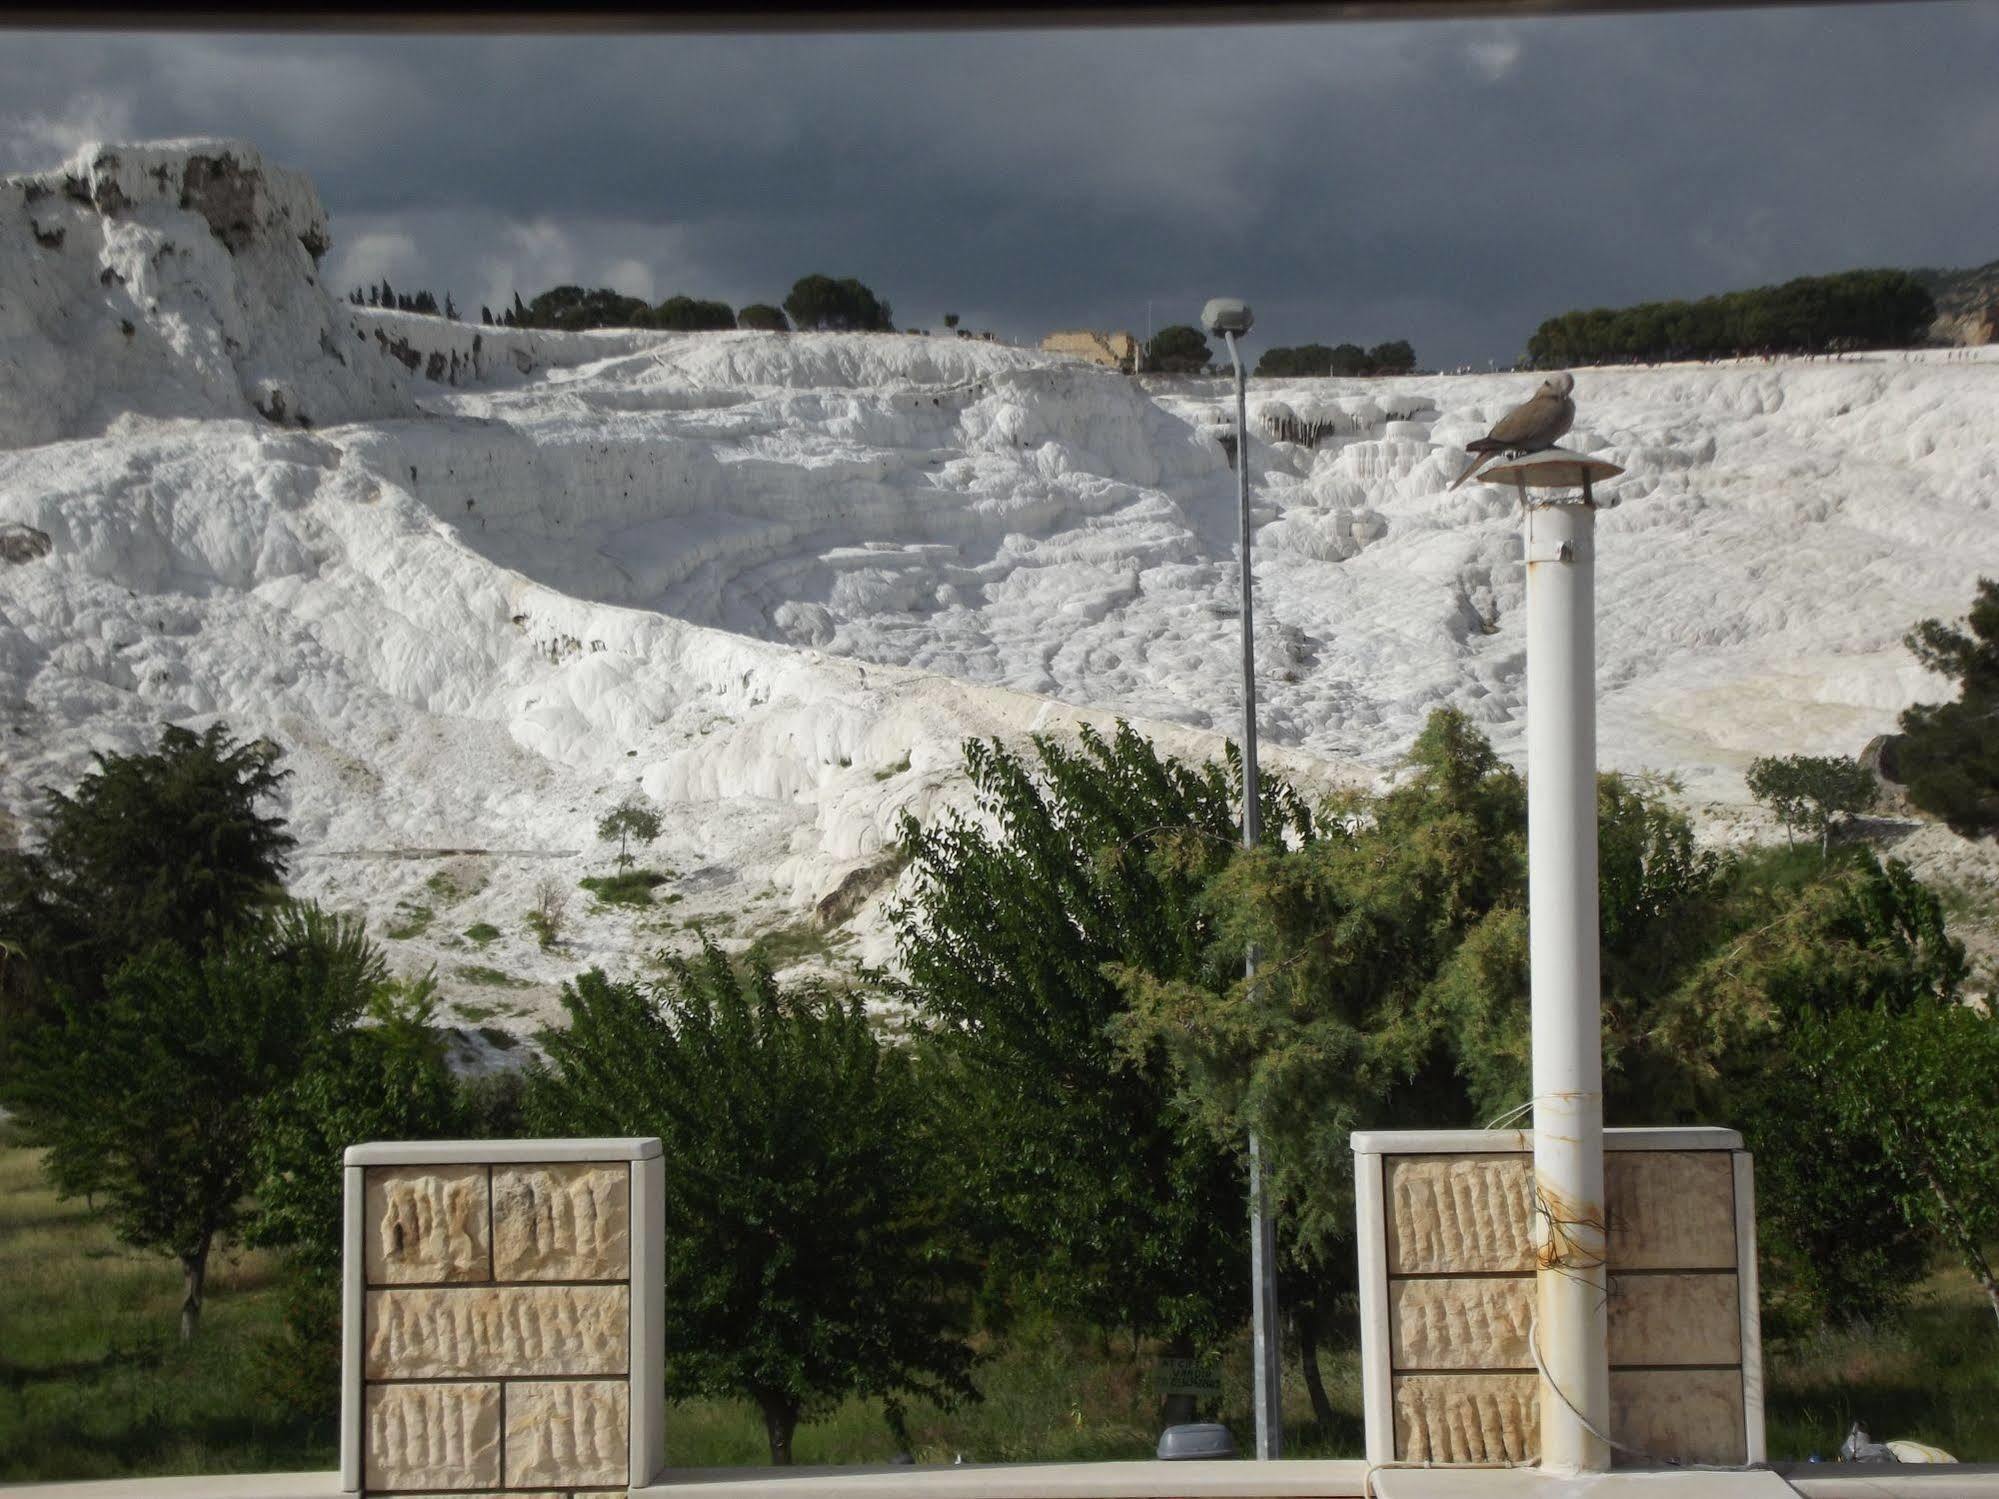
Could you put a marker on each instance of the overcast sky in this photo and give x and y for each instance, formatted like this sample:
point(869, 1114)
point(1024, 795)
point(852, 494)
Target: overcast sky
point(1448, 182)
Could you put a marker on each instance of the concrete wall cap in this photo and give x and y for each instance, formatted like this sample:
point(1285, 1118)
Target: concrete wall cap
point(499, 1152)
point(1499, 1141)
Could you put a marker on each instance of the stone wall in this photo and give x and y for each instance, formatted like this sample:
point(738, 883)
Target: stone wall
point(1448, 1294)
point(501, 1320)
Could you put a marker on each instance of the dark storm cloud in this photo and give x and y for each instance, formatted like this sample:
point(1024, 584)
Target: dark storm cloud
point(1450, 182)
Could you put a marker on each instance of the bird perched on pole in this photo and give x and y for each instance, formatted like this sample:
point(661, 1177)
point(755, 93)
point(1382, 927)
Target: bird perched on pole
point(1529, 427)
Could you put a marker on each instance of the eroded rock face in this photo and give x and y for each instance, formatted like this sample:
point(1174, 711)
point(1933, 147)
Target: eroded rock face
point(432, 1436)
point(427, 1225)
point(573, 1432)
point(429, 1333)
point(19, 543)
point(561, 1222)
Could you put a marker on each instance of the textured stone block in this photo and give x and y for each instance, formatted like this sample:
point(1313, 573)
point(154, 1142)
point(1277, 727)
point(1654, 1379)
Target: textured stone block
point(1671, 1209)
point(426, 1223)
point(1465, 1214)
point(514, 1330)
point(1687, 1415)
point(432, 1436)
point(1461, 1324)
point(1675, 1319)
point(1467, 1418)
point(571, 1433)
point(562, 1222)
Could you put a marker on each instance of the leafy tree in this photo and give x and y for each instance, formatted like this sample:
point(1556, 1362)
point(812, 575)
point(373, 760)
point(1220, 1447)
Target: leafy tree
point(845, 306)
point(1350, 359)
point(630, 819)
point(764, 318)
point(1812, 314)
point(572, 308)
point(1178, 349)
point(950, 319)
point(1108, 1190)
point(1949, 754)
point(1918, 1085)
point(686, 315)
point(1307, 361)
point(168, 846)
point(1396, 357)
point(807, 1254)
point(148, 1100)
point(386, 1079)
point(1812, 791)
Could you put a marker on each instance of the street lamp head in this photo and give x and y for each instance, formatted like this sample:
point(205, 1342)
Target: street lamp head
point(1227, 315)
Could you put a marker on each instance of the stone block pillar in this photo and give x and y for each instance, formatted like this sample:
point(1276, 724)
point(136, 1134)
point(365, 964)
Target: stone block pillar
point(1449, 1342)
point(502, 1325)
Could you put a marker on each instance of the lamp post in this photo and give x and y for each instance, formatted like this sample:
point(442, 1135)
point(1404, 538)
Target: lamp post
point(1227, 317)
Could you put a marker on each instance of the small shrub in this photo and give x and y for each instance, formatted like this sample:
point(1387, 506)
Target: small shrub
point(551, 912)
point(482, 932)
point(473, 973)
point(894, 770)
point(410, 921)
point(498, 1039)
point(633, 887)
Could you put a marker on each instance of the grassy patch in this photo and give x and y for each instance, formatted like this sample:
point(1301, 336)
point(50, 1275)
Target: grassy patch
point(492, 978)
point(94, 1382)
point(799, 942)
point(498, 1039)
point(894, 770)
point(632, 888)
point(482, 932)
point(409, 921)
point(444, 887)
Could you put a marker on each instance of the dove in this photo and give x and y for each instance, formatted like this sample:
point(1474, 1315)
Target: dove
point(1527, 428)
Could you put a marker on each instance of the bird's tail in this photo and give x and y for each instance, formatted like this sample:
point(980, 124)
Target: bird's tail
point(1482, 451)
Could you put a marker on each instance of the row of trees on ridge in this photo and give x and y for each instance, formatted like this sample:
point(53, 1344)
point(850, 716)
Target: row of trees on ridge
point(1867, 309)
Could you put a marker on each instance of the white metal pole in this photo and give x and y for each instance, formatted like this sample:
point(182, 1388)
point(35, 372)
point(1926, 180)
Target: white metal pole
point(1262, 1230)
point(1570, 1291)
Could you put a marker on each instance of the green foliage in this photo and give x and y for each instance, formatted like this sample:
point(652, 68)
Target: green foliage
point(385, 1080)
point(764, 318)
point(1104, 1185)
point(1917, 1085)
point(1813, 792)
point(481, 932)
point(149, 1099)
point(409, 921)
point(1310, 360)
point(492, 978)
point(633, 887)
point(688, 315)
point(1812, 314)
point(1178, 349)
point(1395, 357)
point(807, 1251)
point(572, 308)
point(631, 818)
point(843, 306)
point(1949, 753)
point(167, 846)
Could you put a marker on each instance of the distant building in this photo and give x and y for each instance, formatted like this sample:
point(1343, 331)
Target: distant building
point(1114, 351)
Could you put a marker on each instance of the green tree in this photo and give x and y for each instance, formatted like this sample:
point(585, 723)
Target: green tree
point(1814, 792)
point(1918, 1085)
point(630, 819)
point(950, 319)
point(1396, 357)
point(844, 306)
point(1178, 349)
point(149, 1099)
point(168, 846)
point(1123, 1209)
point(689, 315)
point(764, 318)
point(807, 1253)
point(1949, 754)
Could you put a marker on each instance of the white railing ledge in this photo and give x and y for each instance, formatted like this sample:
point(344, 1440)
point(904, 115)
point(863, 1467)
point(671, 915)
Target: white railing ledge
point(196, 1486)
point(1293, 1479)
